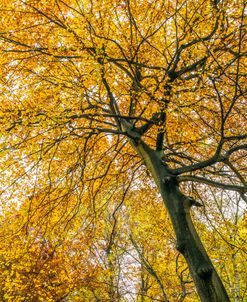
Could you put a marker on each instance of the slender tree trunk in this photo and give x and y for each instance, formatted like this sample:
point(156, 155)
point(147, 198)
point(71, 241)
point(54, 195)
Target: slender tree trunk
point(236, 287)
point(112, 288)
point(149, 268)
point(206, 279)
point(143, 290)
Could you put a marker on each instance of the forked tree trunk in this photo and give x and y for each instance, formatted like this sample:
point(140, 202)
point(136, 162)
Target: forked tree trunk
point(209, 285)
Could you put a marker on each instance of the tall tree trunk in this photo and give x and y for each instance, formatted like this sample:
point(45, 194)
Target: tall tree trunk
point(206, 279)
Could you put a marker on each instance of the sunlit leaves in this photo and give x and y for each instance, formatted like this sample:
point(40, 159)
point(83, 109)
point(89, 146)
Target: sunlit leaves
point(73, 190)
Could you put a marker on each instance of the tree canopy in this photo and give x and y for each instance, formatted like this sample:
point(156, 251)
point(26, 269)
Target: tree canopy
point(123, 125)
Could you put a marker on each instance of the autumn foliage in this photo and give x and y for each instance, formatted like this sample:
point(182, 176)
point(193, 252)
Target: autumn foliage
point(113, 114)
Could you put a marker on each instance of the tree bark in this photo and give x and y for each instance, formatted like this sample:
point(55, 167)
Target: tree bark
point(209, 285)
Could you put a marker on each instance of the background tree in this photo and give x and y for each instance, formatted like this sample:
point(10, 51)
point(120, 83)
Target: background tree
point(101, 97)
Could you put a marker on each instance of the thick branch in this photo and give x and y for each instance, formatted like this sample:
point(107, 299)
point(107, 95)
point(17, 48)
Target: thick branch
point(240, 189)
point(200, 165)
point(156, 119)
point(211, 161)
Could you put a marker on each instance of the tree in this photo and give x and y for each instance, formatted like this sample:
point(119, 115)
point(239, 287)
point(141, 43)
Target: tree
point(95, 93)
